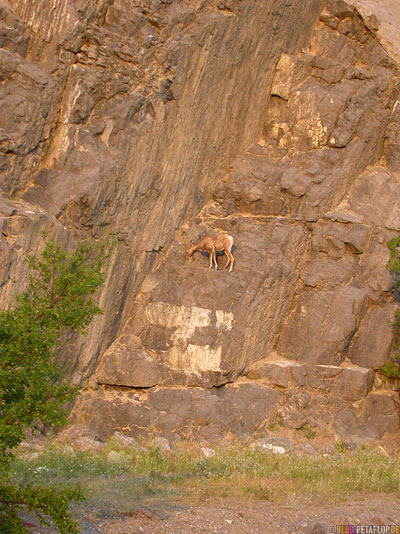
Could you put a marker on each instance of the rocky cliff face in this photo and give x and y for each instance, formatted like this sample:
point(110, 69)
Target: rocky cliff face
point(160, 122)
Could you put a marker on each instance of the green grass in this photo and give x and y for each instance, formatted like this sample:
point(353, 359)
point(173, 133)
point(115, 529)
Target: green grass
point(308, 432)
point(119, 480)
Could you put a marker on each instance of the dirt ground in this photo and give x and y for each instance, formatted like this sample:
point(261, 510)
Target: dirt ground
point(241, 517)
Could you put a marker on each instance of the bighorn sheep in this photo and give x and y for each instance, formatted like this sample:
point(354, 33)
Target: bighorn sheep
point(211, 245)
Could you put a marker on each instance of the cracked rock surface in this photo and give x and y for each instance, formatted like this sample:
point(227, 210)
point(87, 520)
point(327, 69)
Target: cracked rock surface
point(162, 122)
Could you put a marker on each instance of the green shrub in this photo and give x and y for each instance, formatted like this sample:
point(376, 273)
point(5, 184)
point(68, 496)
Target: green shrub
point(58, 299)
point(391, 370)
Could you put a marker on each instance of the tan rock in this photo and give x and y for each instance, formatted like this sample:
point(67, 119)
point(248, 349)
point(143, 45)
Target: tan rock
point(126, 364)
point(162, 125)
point(330, 317)
point(80, 437)
point(372, 343)
point(353, 383)
point(275, 372)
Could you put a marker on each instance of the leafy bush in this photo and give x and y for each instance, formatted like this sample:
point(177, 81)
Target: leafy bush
point(59, 298)
point(391, 369)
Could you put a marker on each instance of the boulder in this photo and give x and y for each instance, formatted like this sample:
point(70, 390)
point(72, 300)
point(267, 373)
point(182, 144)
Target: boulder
point(274, 445)
point(161, 443)
point(207, 452)
point(125, 363)
point(80, 437)
point(122, 440)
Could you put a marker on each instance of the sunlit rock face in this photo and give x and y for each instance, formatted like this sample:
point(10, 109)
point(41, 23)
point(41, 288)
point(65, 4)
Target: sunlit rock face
point(160, 122)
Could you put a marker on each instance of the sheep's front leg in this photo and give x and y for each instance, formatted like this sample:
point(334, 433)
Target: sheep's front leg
point(211, 261)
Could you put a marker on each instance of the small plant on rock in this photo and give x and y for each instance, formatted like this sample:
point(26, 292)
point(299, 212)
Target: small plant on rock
point(308, 432)
point(391, 370)
point(341, 446)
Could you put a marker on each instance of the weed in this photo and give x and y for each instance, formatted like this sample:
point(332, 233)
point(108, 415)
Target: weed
point(391, 369)
point(341, 446)
point(308, 432)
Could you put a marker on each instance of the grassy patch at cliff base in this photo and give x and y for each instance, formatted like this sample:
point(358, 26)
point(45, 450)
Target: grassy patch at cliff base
point(117, 478)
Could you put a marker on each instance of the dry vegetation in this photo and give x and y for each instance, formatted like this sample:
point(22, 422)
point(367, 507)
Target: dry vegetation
point(117, 478)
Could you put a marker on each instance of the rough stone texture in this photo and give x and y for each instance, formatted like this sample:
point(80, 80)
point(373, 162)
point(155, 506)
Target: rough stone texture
point(80, 438)
point(161, 122)
point(329, 316)
point(238, 410)
point(124, 138)
point(353, 384)
point(275, 372)
point(125, 364)
point(378, 415)
point(373, 351)
point(382, 19)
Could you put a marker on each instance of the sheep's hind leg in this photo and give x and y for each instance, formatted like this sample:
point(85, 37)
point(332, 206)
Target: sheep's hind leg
point(215, 260)
point(228, 259)
point(231, 260)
